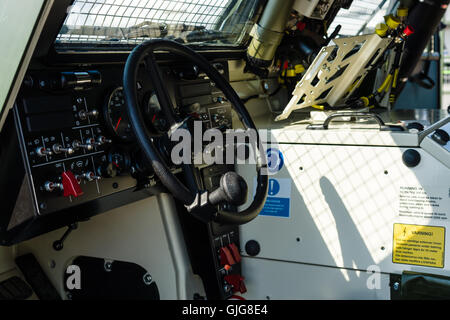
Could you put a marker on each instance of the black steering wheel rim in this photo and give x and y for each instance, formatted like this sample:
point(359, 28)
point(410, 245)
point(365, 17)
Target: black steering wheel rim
point(145, 51)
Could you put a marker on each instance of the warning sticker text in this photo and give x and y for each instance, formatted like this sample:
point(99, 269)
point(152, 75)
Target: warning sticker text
point(419, 245)
point(418, 202)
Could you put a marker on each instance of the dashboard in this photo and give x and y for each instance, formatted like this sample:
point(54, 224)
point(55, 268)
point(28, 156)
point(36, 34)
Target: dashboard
point(78, 145)
point(69, 153)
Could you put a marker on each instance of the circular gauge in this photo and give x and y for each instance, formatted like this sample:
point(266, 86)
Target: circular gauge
point(119, 160)
point(154, 113)
point(116, 115)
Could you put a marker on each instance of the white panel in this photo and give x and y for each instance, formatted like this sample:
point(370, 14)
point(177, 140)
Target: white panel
point(132, 233)
point(345, 134)
point(17, 19)
point(266, 279)
point(345, 200)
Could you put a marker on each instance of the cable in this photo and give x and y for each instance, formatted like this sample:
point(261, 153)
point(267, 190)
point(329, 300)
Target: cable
point(262, 95)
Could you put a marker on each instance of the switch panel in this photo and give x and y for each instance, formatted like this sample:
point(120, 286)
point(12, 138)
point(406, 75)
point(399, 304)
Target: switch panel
point(65, 146)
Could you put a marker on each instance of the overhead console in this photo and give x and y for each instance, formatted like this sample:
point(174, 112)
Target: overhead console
point(79, 150)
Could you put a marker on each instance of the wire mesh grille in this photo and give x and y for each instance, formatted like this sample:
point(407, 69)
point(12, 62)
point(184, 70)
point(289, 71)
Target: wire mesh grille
point(133, 21)
point(362, 14)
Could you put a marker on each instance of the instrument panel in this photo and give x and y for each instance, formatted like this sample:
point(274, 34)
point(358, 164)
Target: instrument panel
point(77, 143)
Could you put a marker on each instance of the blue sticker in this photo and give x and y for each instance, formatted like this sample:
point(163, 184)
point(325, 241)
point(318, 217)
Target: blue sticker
point(275, 160)
point(274, 187)
point(278, 199)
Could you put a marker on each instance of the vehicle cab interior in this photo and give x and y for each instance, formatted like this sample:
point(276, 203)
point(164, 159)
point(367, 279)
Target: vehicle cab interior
point(224, 150)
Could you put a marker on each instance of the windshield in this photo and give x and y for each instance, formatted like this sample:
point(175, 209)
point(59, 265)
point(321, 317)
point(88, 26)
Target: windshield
point(118, 23)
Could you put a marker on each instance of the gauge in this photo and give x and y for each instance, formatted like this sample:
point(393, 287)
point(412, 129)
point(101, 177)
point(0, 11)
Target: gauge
point(120, 160)
point(116, 115)
point(154, 113)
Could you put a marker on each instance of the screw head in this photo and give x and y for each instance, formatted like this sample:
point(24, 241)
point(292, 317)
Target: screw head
point(147, 279)
point(396, 286)
point(108, 266)
point(52, 264)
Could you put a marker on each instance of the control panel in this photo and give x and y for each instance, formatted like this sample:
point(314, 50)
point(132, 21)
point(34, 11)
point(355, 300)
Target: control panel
point(224, 241)
point(206, 101)
point(228, 261)
point(77, 141)
point(67, 150)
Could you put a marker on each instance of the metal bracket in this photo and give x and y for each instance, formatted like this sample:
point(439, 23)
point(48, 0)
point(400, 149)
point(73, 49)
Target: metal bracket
point(336, 72)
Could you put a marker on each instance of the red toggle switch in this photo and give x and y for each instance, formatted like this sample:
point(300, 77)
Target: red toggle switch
point(235, 251)
point(226, 257)
point(408, 31)
point(70, 185)
point(237, 281)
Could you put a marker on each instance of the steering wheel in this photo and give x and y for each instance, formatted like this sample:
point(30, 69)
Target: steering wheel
point(232, 189)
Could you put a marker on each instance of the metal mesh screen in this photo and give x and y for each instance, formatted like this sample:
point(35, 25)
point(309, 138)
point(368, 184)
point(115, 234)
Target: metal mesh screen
point(362, 14)
point(133, 21)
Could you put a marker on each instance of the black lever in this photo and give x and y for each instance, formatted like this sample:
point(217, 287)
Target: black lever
point(232, 190)
point(58, 245)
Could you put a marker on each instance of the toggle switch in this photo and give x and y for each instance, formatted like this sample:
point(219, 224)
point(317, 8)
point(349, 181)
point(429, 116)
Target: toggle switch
point(90, 176)
point(83, 114)
point(235, 252)
point(101, 140)
point(77, 145)
point(237, 282)
point(226, 257)
point(70, 184)
point(52, 186)
point(42, 152)
point(57, 148)
point(90, 141)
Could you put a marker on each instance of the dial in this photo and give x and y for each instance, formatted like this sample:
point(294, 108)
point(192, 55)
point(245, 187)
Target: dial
point(155, 115)
point(119, 160)
point(116, 116)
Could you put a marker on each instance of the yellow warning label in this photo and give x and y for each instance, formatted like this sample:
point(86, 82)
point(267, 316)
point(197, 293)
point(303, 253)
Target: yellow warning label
point(419, 245)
